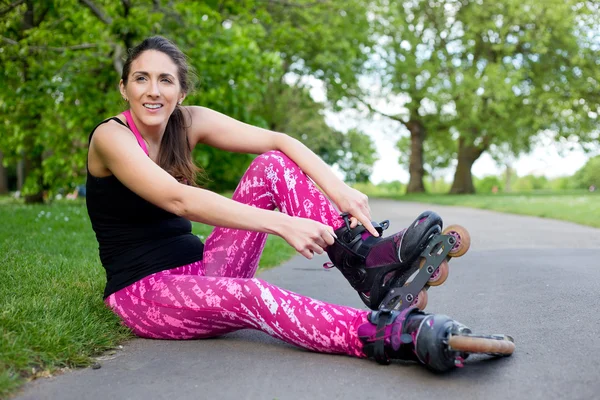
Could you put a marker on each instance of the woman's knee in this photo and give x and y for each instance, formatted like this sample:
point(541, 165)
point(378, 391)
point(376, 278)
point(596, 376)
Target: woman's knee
point(272, 157)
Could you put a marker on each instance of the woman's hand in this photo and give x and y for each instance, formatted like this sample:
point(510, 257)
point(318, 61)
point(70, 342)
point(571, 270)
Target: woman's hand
point(356, 204)
point(307, 236)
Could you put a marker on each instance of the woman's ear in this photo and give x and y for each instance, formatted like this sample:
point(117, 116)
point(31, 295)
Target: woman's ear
point(122, 89)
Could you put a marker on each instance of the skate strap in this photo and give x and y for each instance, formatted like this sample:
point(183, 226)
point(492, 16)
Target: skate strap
point(383, 319)
point(358, 234)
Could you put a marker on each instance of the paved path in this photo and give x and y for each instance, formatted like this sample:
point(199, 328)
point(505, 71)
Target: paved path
point(536, 279)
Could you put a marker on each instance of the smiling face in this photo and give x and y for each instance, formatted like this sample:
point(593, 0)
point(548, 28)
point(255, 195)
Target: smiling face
point(152, 88)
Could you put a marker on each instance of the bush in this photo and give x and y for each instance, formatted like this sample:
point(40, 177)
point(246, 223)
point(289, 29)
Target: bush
point(530, 183)
point(488, 183)
point(589, 174)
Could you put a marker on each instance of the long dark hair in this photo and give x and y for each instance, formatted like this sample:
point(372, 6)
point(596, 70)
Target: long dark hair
point(174, 155)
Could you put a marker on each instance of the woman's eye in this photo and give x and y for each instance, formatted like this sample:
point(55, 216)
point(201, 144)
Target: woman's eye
point(140, 78)
point(166, 80)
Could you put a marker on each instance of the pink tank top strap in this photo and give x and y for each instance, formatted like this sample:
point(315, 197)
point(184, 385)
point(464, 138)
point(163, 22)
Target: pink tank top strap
point(135, 131)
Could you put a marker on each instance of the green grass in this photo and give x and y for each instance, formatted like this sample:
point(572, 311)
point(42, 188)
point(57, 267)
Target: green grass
point(581, 207)
point(51, 284)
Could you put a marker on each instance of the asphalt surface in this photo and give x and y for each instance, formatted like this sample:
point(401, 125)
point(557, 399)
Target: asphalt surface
point(536, 279)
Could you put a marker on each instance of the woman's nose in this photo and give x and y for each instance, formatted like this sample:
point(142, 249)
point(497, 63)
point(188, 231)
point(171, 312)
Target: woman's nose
point(154, 90)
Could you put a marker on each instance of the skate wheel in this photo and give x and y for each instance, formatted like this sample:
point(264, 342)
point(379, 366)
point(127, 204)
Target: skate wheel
point(470, 344)
point(440, 275)
point(463, 240)
point(421, 300)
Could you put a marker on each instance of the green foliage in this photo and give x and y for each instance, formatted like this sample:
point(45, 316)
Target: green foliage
point(62, 61)
point(329, 40)
point(589, 174)
point(494, 72)
point(360, 155)
point(530, 183)
point(383, 189)
point(434, 186)
point(438, 152)
point(562, 184)
point(488, 183)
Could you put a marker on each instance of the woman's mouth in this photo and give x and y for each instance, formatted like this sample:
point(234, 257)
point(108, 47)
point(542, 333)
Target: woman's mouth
point(151, 106)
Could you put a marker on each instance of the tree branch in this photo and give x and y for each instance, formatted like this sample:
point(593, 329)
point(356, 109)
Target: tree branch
point(373, 110)
point(9, 41)
point(126, 7)
point(117, 58)
point(82, 46)
point(97, 11)
point(11, 6)
point(286, 3)
point(42, 16)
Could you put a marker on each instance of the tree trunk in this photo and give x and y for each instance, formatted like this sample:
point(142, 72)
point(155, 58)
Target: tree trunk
point(20, 175)
point(33, 161)
point(3, 177)
point(32, 164)
point(507, 181)
point(463, 179)
point(415, 167)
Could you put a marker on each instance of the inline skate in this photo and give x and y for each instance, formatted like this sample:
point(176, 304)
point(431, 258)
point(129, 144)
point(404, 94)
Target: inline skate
point(380, 269)
point(436, 341)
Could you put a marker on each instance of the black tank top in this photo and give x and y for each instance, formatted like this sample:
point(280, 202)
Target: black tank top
point(135, 237)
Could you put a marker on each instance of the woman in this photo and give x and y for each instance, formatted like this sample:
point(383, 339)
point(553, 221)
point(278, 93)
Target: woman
point(164, 283)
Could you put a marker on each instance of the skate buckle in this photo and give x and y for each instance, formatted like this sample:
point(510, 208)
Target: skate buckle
point(458, 362)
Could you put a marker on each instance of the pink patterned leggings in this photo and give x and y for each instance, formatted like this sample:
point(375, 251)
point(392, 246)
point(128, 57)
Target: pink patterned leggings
point(219, 294)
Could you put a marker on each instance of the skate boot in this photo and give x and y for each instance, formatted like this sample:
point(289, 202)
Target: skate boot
point(436, 341)
point(379, 268)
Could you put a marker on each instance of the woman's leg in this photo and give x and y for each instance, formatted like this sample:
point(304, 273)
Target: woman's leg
point(166, 305)
point(272, 181)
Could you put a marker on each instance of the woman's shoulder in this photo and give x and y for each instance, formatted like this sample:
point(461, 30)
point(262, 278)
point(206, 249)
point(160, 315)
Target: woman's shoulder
point(111, 130)
point(117, 120)
point(109, 123)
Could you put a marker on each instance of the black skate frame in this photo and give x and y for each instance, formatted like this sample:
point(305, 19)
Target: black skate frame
point(437, 250)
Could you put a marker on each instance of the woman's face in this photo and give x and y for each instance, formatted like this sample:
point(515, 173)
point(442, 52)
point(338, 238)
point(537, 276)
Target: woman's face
point(153, 89)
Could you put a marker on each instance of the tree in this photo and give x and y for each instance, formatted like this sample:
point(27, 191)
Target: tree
point(239, 49)
point(79, 80)
point(328, 42)
point(360, 156)
point(436, 155)
point(300, 40)
point(528, 69)
point(33, 60)
point(497, 72)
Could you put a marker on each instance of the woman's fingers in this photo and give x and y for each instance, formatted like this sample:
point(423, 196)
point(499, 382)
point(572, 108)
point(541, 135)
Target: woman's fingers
point(317, 242)
point(365, 220)
point(307, 253)
point(364, 217)
point(369, 226)
point(329, 236)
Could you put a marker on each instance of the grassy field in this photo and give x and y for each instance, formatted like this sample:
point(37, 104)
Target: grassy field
point(51, 283)
point(580, 207)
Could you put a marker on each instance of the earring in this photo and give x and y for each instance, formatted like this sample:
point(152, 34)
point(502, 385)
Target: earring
point(180, 101)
